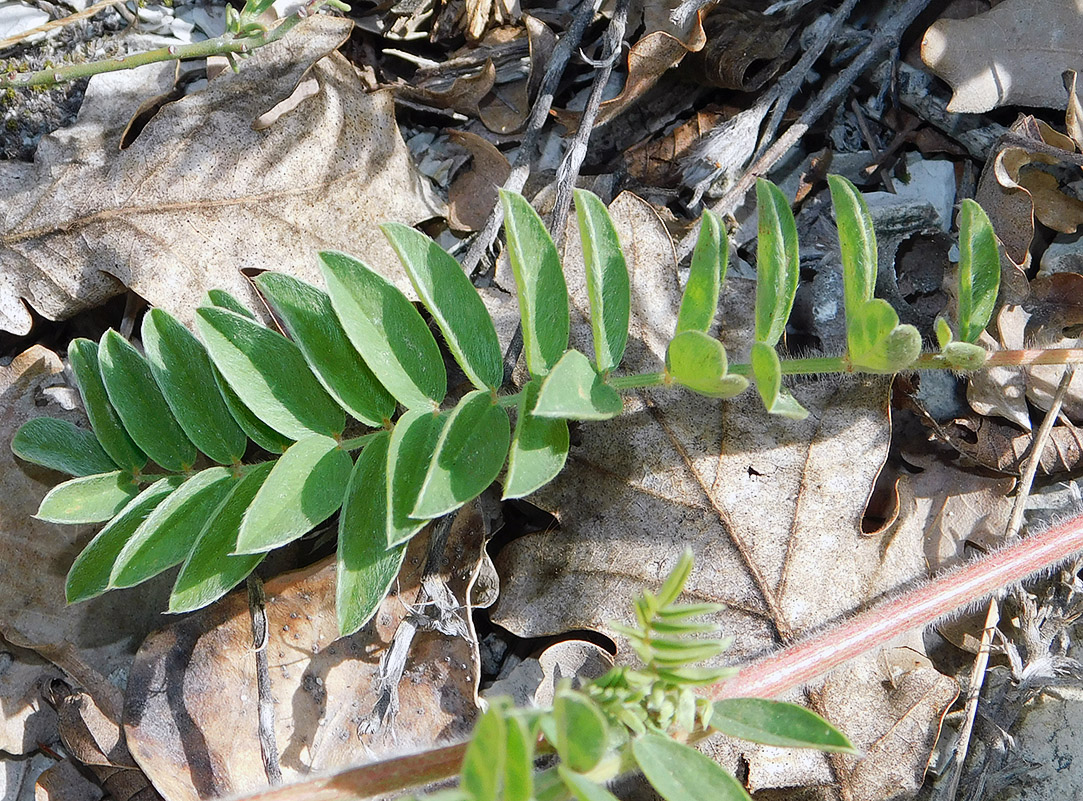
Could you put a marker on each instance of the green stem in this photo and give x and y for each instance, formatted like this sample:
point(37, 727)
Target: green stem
point(637, 381)
point(357, 443)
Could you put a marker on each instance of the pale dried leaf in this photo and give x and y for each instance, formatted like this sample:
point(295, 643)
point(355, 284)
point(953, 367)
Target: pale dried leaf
point(472, 194)
point(64, 782)
point(199, 195)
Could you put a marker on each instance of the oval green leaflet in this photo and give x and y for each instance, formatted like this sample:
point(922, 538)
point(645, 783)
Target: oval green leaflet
point(60, 445)
point(573, 390)
point(104, 420)
point(979, 271)
point(768, 371)
point(90, 499)
point(777, 263)
point(681, 773)
point(710, 258)
point(857, 242)
point(777, 723)
point(698, 361)
point(539, 447)
point(608, 287)
point(453, 302)
point(410, 451)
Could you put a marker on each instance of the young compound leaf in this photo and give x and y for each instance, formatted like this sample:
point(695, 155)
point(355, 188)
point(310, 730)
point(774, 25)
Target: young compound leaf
point(573, 390)
point(468, 456)
point(777, 723)
point(539, 447)
point(768, 371)
point(582, 736)
point(60, 445)
point(674, 584)
point(607, 280)
point(539, 284)
point(583, 788)
point(269, 375)
point(453, 302)
point(212, 568)
point(699, 303)
point(698, 361)
point(305, 488)
point(254, 428)
point(857, 242)
point(167, 535)
point(115, 441)
point(681, 773)
point(90, 572)
point(140, 404)
point(90, 499)
point(182, 369)
point(409, 453)
point(483, 763)
point(875, 340)
point(777, 263)
point(307, 314)
point(979, 271)
point(366, 566)
point(387, 331)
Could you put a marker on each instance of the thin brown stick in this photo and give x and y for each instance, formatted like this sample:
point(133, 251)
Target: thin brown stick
point(266, 718)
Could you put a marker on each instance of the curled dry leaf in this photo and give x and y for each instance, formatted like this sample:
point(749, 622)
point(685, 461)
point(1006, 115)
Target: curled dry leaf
point(1013, 54)
point(462, 94)
point(744, 49)
point(472, 194)
point(200, 194)
point(191, 704)
point(772, 510)
point(1001, 447)
point(506, 108)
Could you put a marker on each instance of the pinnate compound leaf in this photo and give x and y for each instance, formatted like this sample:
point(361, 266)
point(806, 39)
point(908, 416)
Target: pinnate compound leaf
point(539, 447)
point(413, 443)
point(90, 572)
point(857, 242)
point(254, 428)
point(366, 566)
point(468, 455)
point(305, 488)
point(699, 302)
point(573, 390)
point(608, 288)
point(979, 271)
point(183, 370)
point(583, 788)
point(310, 320)
point(539, 284)
point(89, 499)
point(778, 723)
point(61, 445)
point(877, 342)
point(768, 371)
point(386, 330)
point(138, 400)
point(104, 420)
point(582, 737)
point(777, 262)
point(681, 773)
point(212, 568)
point(269, 374)
point(483, 763)
point(166, 537)
point(453, 302)
point(698, 361)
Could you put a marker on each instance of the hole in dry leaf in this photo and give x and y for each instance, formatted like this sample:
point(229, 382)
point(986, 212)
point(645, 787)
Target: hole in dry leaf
point(305, 89)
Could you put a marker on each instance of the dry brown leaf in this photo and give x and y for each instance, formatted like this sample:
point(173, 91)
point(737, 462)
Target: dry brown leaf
point(462, 95)
point(744, 49)
point(191, 705)
point(473, 194)
point(506, 108)
point(658, 162)
point(64, 782)
point(771, 508)
point(1001, 447)
point(1013, 54)
point(200, 195)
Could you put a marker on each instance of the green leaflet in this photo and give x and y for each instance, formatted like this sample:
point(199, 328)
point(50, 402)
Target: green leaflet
point(90, 572)
point(711, 256)
point(269, 375)
point(212, 568)
point(539, 447)
point(875, 340)
point(305, 488)
point(698, 361)
point(412, 445)
point(468, 455)
point(135, 395)
point(768, 371)
point(60, 445)
point(254, 428)
point(979, 271)
point(777, 263)
point(114, 439)
point(607, 280)
point(387, 331)
point(777, 723)
point(574, 390)
point(582, 737)
point(182, 369)
point(483, 763)
point(539, 284)
point(453, 302)
point(681, 773)
point(857, 242)
point(518, 761)
point(224, 300)
point(90, 499)
point(366, 566)
point(166, 537)
point(583, 788)
point(307, 314)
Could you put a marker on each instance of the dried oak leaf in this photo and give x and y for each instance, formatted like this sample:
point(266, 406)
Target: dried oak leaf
point(1013, 54)
point(771, 508)
point(200, 193)
point(473, 194)
point(1003, 448)
point(191, 705)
